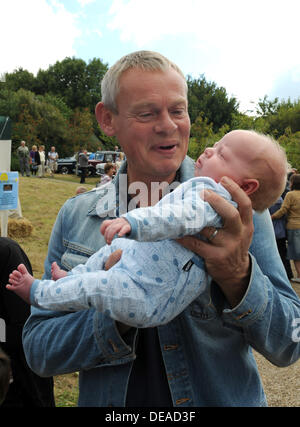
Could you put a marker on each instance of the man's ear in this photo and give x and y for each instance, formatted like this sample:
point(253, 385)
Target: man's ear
point(250, 185)
point(105, 119)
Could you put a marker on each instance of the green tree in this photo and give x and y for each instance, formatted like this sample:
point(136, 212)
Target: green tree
point(34, 119)
point(202, 136)
point(77, 83)
point(291, 143)
point(211, 101)
point(243, 121)
point(267, 107)
point(20, 79)
point(26, 127)
point(80, 130)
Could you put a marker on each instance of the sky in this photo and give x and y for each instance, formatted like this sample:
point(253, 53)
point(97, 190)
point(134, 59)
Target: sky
point(249, 47)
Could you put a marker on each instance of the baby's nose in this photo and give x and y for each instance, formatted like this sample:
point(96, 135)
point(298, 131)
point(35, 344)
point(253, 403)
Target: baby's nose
point(209, 151)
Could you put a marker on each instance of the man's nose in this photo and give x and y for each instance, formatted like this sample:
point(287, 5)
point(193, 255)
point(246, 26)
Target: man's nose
point(165, 124)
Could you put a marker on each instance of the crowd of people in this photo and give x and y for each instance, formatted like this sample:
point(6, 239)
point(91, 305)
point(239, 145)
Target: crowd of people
point(200, 355)
point(35, 162)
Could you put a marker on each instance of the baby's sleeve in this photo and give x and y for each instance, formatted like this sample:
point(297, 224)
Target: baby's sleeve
point(182, 212)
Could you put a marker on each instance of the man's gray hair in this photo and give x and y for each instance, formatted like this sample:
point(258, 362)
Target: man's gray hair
point(144, 60)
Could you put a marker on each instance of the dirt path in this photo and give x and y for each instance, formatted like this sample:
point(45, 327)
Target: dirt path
point(282, 385)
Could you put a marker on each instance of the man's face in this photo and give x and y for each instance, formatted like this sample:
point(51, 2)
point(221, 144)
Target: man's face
point(152, 124)
point(228, 157)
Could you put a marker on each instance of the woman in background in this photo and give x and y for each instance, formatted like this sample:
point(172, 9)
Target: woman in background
point(291, 208)
point(41, 166)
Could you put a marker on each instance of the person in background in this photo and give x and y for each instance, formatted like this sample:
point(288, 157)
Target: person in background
point(119, 161)
point(23, 156)
point(41, 166)
point(291, 208)
point(5, 374)
point(203, 357)
point(83, 161)
point(52, 160)
point(35, 160)
point(281, 236)
point(109, 170)
point(26, 389)
point(80, 190)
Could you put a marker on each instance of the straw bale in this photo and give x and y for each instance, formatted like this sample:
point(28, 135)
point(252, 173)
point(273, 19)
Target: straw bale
point(20, 227)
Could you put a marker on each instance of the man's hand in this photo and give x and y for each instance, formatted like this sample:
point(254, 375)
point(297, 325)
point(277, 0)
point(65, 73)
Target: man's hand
point(113, 259)
point(226, 256)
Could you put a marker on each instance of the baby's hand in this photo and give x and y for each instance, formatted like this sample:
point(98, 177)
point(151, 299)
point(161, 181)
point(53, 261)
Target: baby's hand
point(110, 227)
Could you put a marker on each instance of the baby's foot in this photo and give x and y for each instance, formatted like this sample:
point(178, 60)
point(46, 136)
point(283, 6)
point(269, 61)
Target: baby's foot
point(57, 272)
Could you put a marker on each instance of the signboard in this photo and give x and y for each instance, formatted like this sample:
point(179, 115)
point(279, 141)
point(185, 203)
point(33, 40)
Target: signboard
point(9, 190)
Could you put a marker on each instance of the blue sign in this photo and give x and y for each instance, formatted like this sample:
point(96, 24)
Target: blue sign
point(9, 190)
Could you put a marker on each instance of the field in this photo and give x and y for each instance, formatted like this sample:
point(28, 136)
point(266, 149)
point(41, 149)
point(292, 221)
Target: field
point(41, 200)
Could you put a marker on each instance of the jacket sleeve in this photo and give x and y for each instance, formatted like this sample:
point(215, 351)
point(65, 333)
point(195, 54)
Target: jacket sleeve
point(269, 313)
point(59, 342)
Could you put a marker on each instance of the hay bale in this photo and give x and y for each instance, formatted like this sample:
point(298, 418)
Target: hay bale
point(19, 227)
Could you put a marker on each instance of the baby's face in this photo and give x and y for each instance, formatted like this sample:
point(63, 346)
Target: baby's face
point(228, 157)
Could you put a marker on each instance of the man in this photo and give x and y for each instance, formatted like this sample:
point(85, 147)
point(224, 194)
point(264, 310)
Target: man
point(83, 161)
point(52, 160)
point(203, 356)
point(23, 156)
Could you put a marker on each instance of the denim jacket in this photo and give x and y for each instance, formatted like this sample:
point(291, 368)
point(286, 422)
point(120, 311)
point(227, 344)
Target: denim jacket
point(207, 349)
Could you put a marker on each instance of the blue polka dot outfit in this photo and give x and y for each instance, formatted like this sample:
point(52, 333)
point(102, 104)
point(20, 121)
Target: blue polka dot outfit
point(156, 278)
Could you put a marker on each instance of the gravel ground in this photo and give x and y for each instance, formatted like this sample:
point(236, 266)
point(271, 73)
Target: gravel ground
point(282, 385)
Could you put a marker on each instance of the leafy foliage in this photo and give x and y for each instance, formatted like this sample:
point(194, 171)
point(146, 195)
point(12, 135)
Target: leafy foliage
point(56, 107)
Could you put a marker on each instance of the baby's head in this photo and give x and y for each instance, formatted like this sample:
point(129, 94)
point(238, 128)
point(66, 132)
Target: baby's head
point(254, 161)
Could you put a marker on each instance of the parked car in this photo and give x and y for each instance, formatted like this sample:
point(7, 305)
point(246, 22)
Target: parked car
point(96, 165)
point(66, 165)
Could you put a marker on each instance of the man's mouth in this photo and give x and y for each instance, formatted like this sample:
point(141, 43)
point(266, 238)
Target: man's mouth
point(166, 148)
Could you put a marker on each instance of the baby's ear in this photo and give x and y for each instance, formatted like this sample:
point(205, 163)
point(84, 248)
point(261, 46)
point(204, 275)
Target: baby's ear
point(250, 185)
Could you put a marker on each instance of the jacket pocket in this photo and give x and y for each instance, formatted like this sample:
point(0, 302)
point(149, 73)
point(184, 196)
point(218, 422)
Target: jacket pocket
point(73, 257)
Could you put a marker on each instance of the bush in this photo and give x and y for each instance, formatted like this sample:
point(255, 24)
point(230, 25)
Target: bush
point(14, 163)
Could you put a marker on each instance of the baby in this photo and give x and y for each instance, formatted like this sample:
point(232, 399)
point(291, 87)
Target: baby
point(157, 278)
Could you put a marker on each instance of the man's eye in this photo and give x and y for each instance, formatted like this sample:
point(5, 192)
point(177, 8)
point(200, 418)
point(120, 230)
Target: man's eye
point(145, 116)
point(178, 112)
